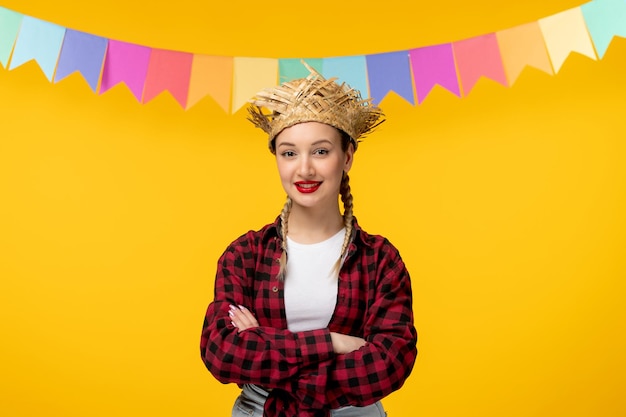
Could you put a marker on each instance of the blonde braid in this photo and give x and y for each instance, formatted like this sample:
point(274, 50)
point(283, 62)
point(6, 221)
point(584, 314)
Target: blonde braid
point(346, 198)
point(284, 216)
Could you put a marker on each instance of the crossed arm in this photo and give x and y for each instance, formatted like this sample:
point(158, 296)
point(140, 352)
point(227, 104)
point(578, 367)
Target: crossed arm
point(243, 319)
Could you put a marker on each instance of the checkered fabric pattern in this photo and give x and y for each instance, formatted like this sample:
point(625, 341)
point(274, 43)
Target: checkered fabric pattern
point(305, 376)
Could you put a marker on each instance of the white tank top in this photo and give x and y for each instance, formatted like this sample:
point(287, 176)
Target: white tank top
point(311, 283)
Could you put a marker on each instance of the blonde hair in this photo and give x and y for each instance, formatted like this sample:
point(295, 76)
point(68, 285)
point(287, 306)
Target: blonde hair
point(346, 198)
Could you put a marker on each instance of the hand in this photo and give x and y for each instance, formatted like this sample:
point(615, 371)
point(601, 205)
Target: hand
point(343, 343)
point(242, 318)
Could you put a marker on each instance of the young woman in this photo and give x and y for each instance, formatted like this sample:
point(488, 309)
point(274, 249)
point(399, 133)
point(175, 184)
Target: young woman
point(311, 316)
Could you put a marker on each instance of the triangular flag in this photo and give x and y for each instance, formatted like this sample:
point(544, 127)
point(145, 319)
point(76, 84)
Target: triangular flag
point(127, 63)
point(605, 19)
point(390, 72)
point(292, 68)
point(564, 33)
point(40, 41)
point(434, 65)
point(478, 57)
point(521, 46)
point(84, 53)
point(9, 27)
point(168, 70)
point(211, 75)
point(251, 75)
point(351, 70)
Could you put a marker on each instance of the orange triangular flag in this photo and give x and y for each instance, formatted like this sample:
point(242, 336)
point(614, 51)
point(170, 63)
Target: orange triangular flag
point(211, 75)
point(521, 46)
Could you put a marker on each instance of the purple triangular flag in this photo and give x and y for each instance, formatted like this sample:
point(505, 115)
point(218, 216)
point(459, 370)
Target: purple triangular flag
point(390, 71)
point(84, 53)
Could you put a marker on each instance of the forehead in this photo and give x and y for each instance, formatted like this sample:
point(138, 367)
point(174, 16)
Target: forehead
point(308, 132)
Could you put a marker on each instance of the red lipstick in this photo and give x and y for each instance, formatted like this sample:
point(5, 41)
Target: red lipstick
point(307, 187)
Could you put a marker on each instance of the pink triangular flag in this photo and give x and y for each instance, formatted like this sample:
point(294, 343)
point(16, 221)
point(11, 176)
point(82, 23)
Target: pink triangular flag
point(478, 57)
point(127, 63)
point(168, 70)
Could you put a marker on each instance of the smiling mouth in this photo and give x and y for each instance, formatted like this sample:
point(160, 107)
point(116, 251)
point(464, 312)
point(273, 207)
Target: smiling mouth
point(307, 186)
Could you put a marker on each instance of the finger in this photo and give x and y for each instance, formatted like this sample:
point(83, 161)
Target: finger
point(235, 317)
point(242, 319)
point(246, 320)
point(249, 317)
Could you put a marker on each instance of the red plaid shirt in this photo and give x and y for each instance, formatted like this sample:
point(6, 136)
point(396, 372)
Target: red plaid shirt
point(305, 376)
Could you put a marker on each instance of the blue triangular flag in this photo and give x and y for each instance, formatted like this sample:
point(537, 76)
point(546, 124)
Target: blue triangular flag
point(84, 53)
point(350, 69)
point(390, 71)
point(40, 41)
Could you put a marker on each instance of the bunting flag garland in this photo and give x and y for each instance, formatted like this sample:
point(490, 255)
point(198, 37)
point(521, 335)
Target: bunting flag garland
point(125, 63)
point(478, 57)
point(564, 33)
point(10, 22)
point(523, 46)
point(434, 65)
point(350, 69)
point(390, 72)
point(84, 53)
point(40, 41)
point(211, 76)
point(292, 68)
point(247, 83)
point(168, 71)
point(230, 81)
point(605, 19)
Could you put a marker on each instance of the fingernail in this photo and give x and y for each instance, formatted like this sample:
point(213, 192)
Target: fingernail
point(233, 323)
point(232, 307)
point(230, 313)
point(241, 307)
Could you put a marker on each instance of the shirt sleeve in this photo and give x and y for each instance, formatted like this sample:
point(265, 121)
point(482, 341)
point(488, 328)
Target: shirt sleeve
point(380, 367)
point(265, 355)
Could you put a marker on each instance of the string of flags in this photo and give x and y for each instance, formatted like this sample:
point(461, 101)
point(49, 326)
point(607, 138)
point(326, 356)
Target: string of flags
point(189, 77)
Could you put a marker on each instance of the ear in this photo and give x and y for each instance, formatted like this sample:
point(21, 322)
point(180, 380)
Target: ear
point(349, 157)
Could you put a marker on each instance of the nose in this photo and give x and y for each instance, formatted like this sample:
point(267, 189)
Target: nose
point(306, 167)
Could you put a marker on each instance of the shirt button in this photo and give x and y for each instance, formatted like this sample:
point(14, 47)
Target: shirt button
point(277, 260)
point(275, 289)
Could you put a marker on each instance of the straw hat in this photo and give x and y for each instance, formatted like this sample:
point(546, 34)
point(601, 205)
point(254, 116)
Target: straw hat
point(314, 99)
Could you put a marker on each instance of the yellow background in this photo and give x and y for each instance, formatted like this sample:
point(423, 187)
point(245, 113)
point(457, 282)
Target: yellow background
point(507, 206)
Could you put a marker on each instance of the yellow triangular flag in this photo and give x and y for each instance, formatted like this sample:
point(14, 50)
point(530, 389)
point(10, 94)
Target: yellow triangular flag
point(564, 33)
point(251, 75)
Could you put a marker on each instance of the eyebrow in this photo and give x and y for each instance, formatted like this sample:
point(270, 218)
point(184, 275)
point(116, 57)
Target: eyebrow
point(317, 142)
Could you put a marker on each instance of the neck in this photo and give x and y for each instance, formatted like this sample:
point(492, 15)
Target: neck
point(311, 226)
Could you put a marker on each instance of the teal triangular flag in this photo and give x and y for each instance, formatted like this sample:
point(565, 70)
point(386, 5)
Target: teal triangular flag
point(9, 26)
point(605, 19)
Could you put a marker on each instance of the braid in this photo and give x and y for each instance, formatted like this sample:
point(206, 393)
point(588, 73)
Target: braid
point(284, 216)
point(346, 198)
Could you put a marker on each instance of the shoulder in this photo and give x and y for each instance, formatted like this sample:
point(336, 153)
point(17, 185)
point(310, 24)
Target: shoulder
point(377, 255)
point(255, 238)
point(373, 241)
